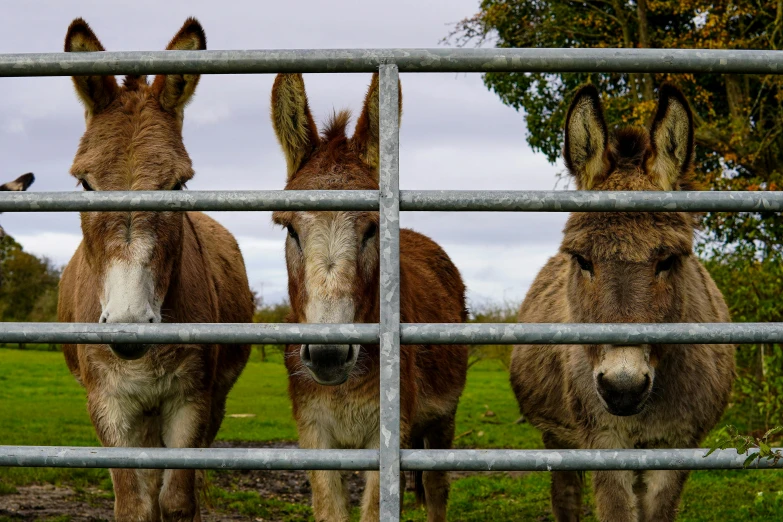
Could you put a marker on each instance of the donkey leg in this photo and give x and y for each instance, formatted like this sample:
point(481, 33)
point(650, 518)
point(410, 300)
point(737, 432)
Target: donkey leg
point(439, 435)
point(371, 498)
point(330, 499)
point(566, 492)
point(662, 494)
point(614, 496)
point(184, 426)
point(330, 496)
point(120, 423)
point(567, 495)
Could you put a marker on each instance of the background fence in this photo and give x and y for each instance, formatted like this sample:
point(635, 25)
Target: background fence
point(389, 200)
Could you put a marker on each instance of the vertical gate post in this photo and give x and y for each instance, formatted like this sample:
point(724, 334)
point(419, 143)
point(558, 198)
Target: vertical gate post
point(390, 293)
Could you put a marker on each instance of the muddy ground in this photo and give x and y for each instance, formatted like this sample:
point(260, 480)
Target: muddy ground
point(41, 502)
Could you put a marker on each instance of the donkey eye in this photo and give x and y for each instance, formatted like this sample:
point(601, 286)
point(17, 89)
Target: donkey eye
point(369, 234)
point(584, 264)
point(86, 186)
point(665, 265)
point(293, 234)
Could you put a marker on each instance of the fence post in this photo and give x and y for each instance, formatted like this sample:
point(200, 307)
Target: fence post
point(390, 293)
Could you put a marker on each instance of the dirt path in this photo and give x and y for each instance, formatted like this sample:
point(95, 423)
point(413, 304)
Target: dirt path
point(37, 503)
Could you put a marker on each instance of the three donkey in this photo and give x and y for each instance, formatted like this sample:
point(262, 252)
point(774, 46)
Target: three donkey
point(152, 267)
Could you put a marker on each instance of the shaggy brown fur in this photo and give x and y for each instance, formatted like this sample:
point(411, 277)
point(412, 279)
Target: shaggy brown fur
point(625, 268)
point(333, 276)
point(171, 395)
point(23, 182)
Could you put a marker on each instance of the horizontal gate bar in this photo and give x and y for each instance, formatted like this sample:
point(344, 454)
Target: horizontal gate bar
point(408, 60)
point(235, 200)
point(180, 333)
point(574, 460)
point(178, 458)
point(411, 460)
point(410, 333)
point(606, 333)
point(410, 200)
point(590, 201)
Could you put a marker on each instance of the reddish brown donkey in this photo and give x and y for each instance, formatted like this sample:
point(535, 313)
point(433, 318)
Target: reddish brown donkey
point(23, 182)
point(333, 277)
point(149, 267)
point(625, 268)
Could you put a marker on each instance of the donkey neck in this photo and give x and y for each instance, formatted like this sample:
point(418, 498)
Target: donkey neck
point(191, 295)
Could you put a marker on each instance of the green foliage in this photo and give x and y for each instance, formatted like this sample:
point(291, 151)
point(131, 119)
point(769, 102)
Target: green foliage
point(751, 288)
point(744, 443)
point(275, 313)
point(738, 131)
point(28, 285)
point(489, 312)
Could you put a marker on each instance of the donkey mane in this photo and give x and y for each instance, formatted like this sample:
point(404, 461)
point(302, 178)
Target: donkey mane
point(133, 82)
point(335, 129)
point(630, 147)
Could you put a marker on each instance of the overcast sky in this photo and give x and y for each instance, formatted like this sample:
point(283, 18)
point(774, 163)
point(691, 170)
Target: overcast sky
point(455, 134)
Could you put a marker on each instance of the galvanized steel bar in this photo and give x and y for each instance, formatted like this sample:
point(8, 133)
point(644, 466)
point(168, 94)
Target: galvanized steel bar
point(410, 333)
point(390, 293)
point(606, 333)
point(590, 201)
point(410, 200)
point(411, 460)
point(575, 460)
point(407, 60)
point(180, 333)
point(186, 458)
point(235, 200)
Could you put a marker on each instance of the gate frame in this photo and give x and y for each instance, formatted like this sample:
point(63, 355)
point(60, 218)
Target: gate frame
point(389, 200)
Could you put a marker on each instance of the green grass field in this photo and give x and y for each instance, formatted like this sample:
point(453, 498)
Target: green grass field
point(41, 404)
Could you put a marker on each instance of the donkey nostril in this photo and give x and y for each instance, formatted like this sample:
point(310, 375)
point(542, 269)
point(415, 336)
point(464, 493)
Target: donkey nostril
point(306, 353)
point(349, 354)
point(646, 381)
point(103, 318)
point(152, 320)
point(600, 379)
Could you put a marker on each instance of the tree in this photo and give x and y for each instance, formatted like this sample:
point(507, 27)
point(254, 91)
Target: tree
point(751, 288)
point(274, 313)
point(28, 285)
point(739, 118)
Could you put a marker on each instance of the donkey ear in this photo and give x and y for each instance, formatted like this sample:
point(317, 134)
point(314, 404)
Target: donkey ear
point(96, 92)
point(586, 138)
point(293, 122)
point(174, 91)
point(672, 137)
point(366, 137)
point(23, 182)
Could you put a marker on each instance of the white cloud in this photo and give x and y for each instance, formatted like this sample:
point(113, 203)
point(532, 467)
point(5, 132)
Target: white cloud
point(58, 247)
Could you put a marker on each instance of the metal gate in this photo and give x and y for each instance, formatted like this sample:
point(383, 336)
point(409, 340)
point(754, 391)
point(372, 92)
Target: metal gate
point(389, 200)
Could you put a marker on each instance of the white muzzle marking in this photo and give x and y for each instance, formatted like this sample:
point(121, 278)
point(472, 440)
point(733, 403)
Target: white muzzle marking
point(129, 294)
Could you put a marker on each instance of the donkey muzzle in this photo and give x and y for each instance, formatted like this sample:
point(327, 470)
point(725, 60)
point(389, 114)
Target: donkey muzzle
point(329, 364)
point(130, 352)
point(624, 394)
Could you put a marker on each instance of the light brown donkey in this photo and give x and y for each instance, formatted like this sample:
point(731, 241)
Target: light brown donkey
point(149, 267)
point(625, 268)
point(21, 183)
point(333, 277)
